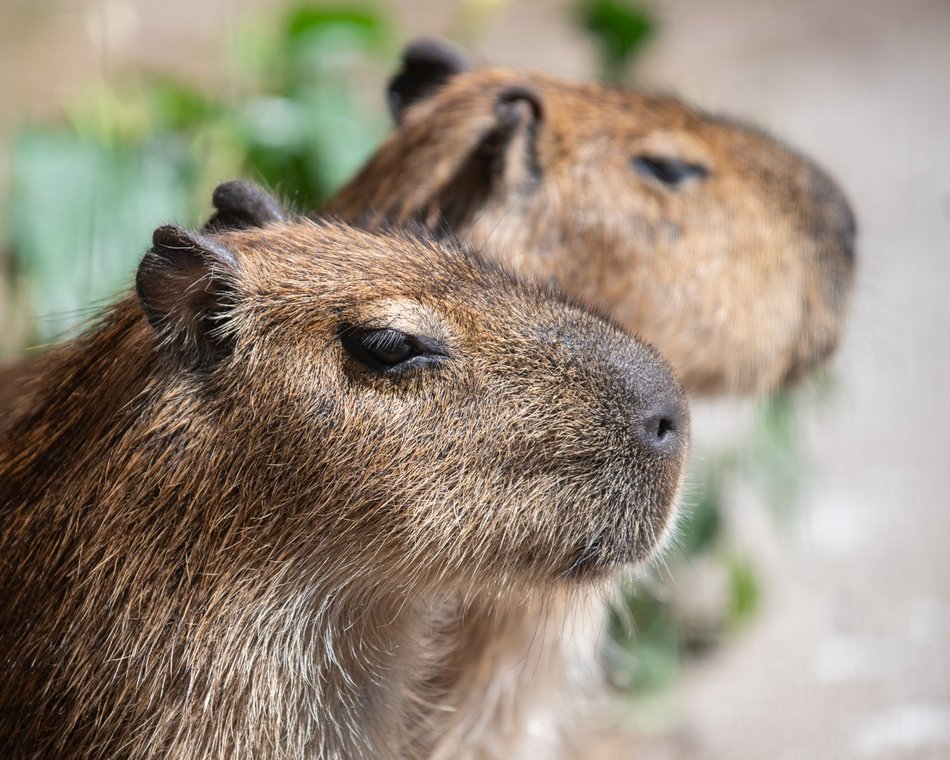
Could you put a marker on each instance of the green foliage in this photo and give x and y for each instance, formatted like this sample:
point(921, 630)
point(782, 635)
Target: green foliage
point(773, 463)
point(138, 156)
point(621, 28)
point(744, 590)
point(701, 526)
point(650, 647)
point(79, 208)
point(312, 132)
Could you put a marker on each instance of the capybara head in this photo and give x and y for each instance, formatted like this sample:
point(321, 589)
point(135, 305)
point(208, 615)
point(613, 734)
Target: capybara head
point(728, 251)
point(385, 405)
point(428, 414)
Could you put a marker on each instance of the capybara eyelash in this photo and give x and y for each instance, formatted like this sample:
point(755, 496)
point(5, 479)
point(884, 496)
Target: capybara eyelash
point(391, 351)
point(672, 172)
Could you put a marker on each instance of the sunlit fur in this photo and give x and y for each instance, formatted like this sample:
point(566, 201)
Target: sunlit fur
point(741, 279)
point(264, 551)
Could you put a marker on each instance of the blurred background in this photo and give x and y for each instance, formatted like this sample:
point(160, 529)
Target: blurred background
point(806, 613)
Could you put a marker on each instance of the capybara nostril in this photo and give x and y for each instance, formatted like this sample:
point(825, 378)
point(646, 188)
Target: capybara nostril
point(662, 426)
point(658, 410)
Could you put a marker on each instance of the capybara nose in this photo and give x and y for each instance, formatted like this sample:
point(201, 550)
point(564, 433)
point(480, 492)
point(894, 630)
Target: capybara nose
point(841, 223)
point(663, 427)
point(660, 412)
point(847, 229)
point(834, 214)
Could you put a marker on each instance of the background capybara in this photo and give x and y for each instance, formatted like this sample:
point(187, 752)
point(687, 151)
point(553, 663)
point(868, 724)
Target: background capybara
point(731, 253)
point(242, 506)
point(728, 251)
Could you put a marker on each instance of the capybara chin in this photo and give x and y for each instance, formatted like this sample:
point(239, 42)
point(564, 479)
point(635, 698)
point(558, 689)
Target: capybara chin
point(239, 507)
point(722, 247)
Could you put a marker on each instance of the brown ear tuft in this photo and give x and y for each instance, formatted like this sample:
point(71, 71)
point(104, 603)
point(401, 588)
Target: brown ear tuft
point(426, 66)
point(185, 286)
point(519, 111)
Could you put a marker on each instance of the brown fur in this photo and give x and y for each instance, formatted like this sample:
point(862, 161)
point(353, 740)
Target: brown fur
point(223, 535)
point(741, 278)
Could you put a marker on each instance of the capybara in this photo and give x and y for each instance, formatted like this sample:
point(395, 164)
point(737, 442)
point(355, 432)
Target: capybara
point(725, 249)
point(243, 508)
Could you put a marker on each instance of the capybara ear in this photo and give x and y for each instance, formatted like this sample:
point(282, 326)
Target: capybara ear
point(242, 204)
point(519, 110)
point(185, 286)
point(426, 66)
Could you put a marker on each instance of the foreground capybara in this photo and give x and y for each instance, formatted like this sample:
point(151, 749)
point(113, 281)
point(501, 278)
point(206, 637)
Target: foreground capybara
point(725, 249)
point(243, 508)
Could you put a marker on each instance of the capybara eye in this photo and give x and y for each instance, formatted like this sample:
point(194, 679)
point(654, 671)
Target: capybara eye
point(670, 171)
point(388, 350)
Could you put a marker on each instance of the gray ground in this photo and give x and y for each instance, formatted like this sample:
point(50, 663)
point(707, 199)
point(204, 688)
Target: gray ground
point(851, 657)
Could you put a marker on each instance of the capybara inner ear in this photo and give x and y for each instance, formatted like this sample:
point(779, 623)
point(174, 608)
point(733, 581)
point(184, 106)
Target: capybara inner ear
point(242, 204)
point(504, 162)
point(426, 66)
point(519, 110)
point(185, 286)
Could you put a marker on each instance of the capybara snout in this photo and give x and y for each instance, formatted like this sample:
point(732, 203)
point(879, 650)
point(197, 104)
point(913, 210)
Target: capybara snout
point(619, 420)
point(834, 211)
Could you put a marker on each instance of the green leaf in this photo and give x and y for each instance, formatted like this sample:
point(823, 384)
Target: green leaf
point(366, 22)
point(81, 216)
point(699, 527)
point(773, 460)
point(621, 29)
point(647, 657)
point(321, 43)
